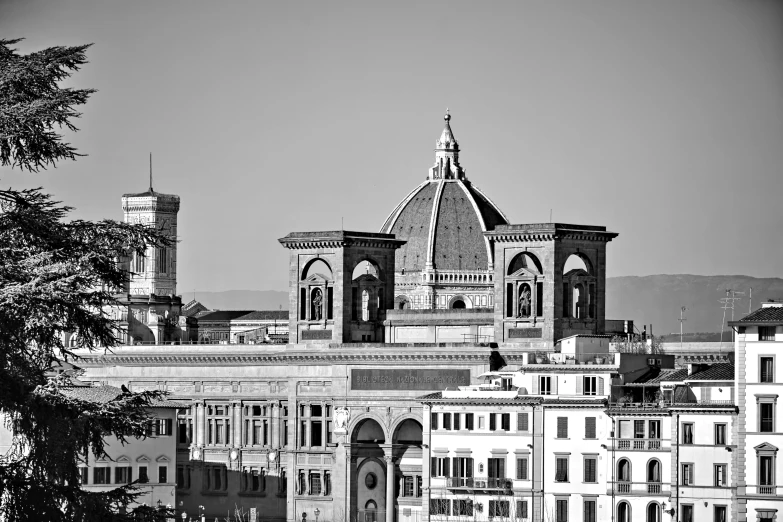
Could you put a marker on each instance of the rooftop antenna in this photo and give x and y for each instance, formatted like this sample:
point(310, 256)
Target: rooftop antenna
point(151, 173)
point(750, 300)
point(682, 320)
point(550, 215)
point(728, 304)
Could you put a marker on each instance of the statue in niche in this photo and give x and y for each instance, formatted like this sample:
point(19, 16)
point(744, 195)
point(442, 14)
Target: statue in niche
point(341, 416)
point(524, 302)
point(317, 304)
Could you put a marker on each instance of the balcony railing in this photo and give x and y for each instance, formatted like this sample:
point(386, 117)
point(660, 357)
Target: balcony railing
point(641, 488)
point(767, 490)
point(485, 483)
point(642, 445)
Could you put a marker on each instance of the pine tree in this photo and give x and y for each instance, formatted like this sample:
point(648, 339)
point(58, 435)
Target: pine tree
point(56, 276)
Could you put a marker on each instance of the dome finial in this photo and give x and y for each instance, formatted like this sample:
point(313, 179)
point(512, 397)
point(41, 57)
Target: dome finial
point(447, 117)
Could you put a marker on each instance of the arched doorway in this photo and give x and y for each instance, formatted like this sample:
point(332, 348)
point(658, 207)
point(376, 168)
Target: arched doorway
point(653, 512)
point(654, 477)
point(368, 471)
point(623, 512)
point(624, 476)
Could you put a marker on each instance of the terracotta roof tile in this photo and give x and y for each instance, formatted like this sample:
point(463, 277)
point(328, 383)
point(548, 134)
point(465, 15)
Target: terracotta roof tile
point(771, 314)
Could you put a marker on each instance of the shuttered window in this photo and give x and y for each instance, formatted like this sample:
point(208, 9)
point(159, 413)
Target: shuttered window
point(492, 423)
point(521, 508)
point(434, 421)
point(589, 511)
point(468, 421)
point(522, 468)
point(590, 466)
point(522, 422)
point(456, 422)
point(589, 427)
point(562, 427)
point(505, 421)
point(561, 469)
point(447, 421)
point(562, 511)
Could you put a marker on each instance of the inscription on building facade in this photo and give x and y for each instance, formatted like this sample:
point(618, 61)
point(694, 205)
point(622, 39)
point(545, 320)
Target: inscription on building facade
point(400, 379)
point(312, 335)
point(524, 333)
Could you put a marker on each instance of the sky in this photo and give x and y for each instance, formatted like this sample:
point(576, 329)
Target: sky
point(661, 120)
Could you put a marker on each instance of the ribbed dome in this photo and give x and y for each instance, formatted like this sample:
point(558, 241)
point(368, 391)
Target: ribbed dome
point(443, 222)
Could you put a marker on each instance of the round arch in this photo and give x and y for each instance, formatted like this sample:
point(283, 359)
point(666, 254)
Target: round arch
point(653, 512)
point(317, 265)
point(624, 470)
point(356, 426)
point(577, 261)
point(654, 470)
point(525, 260)
point(361, 267)
point(624, 511)
point(402, 302)
point(460, 301)
point(408, 430)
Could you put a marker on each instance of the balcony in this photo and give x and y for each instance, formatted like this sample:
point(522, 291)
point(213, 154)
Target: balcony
point(480, 484)
point(642, 445)
point(765, 490)
point(641, 488)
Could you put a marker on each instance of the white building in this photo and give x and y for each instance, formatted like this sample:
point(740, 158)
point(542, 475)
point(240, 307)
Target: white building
point(759, 337)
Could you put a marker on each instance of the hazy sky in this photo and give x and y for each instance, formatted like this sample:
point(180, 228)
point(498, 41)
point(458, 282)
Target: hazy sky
point(662, 120)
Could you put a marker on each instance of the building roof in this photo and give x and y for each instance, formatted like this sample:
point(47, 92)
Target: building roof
point(222, 315)
point(714, 372)
point(264, 315)
point(105, 393)
point(443, 220)
point(766, 314)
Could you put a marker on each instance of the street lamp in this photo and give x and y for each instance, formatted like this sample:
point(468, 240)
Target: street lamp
point(184, 516)
point(317, 512)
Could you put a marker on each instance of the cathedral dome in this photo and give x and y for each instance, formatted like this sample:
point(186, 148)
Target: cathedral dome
point(444, 219)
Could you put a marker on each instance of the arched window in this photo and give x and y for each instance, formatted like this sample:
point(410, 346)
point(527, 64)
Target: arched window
point(458, 303)
point(624, 471)
point(524, 260)
point(653, 512)
point(163, 260)
point(317, 266)
point(623, 512)
point(139, 265)
point(654, 476)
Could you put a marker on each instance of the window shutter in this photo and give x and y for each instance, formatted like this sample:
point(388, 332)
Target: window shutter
point(433, 466)
point(434, 421)
point(492, 422)
point(519, 469)
point(590, 427)
point(521, 421)
point(469, 472)
point(600, 385)
point(535, 384)
point(456, 421)
point(455, 467)
point(501, 468)
point(446, 467)
point(169, 425)
point(562, 427)
point(447, 421)
point(706, 393)
point(580, 383)
point(554, 384)
point(468, 421)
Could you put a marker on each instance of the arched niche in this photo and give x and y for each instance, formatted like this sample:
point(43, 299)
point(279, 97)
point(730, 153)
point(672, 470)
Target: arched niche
point(317, 266)
point(579, 287)
point(408, 432)
point(367, 291)
point(368, 431)
point(459, 302)
point(401, 302)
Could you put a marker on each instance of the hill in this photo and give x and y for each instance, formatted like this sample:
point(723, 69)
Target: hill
point(648, 300)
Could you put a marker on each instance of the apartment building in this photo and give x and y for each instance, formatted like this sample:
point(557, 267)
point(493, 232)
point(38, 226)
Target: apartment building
point(758, 339)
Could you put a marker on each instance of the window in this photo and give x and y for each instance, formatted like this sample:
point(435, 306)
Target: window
point(590, 385)
point(315, 483)
point(463, 508)
point(720, 514)
point(439, 506)
point(654, 430)
point(456, 421)
point(482, 422)
point(522, 422)
point(505, 421)
point(101, 475)
point(545, 385)
point(84, 474)
point(217, 479)
point(562, 427)
point(766, 417)
point(720, 434)
point(162, 260)
point(687, 475)
point(163, 474)
point(439, 466)
point(561, 510)
point(163, 427)
point(521, 468)
point(496, 468)
point(447, 421)
point(767, 333)
point(184, 429)
point(139, 264)
point(687, 512)
point(638, 429)
point(720, 475)
point(687, 433)
point(463, 467)
point(143, 475)
point(498, 508)
point(590, 427)
point(257, 422)
point(218, 424)
point(492, 422)
point(561, 469)
point(767, 471)
point(521, 508)
point(468, 421)
point(766, 365)
point(122, 475)
point(589, 511)
point(407, 486)
point(183, 477)
point(590, 467)
point(434, 420)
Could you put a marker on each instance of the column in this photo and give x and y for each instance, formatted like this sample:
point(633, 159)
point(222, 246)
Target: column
point(389, 487)
point(199, 421)
point(275, 425)
point(323, 483)
point(238, 427)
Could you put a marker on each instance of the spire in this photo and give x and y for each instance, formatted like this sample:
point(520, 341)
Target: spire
point(151, 173)
point(447, 154)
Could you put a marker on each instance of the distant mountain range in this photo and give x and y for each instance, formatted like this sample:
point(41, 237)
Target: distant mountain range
point(647, 300)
